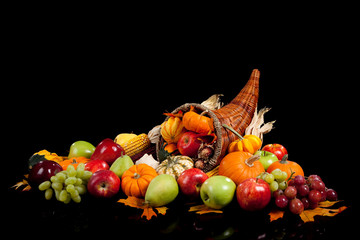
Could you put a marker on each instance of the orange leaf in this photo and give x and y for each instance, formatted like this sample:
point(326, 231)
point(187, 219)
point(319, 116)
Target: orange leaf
point(148, 213)
point(308, 215)
point(276, 214)
point(140, 203)
point(202, 209)
point(133, 202)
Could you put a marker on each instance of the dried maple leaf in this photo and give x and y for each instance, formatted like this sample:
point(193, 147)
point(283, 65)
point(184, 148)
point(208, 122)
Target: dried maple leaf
point(22, 183)
point(276, 214)
point(321, 210)
point(202, 209)
point(148, 211)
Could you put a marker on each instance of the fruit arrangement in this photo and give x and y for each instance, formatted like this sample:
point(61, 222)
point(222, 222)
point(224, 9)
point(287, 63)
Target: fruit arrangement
point(209, 153)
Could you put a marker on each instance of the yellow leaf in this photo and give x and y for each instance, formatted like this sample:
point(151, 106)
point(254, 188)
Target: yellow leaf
point(203, 209)
point(161, 210)
point(276, 214)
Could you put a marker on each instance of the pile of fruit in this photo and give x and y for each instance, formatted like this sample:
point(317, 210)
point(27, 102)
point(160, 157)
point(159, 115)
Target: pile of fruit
point(196, 154)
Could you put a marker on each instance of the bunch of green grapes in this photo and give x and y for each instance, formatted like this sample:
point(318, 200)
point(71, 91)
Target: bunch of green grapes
point(276, 179)
point(68, 184)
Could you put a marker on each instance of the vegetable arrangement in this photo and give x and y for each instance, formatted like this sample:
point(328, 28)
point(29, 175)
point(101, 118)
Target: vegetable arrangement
point(199, 151)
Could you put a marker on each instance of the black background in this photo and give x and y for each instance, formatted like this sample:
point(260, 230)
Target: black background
point(65, 86)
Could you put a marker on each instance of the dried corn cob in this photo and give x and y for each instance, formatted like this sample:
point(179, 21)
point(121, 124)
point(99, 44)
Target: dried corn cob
point(136, 144)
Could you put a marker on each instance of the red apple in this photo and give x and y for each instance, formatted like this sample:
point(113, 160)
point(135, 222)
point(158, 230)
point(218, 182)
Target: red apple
point(96, 165)
point(190, 182)
point(189, 143)
point(104, 183)
point(108, 151)
point(253, 194)
point(43, 171)
point(277, 149)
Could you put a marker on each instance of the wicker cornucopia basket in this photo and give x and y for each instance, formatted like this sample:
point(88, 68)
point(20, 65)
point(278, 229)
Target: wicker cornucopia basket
point(237, 114)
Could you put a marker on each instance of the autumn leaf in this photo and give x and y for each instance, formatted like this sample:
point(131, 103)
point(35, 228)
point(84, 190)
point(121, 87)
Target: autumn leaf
point(321, 210)
point(148, 211)
point(202, 209)
point(276, 214)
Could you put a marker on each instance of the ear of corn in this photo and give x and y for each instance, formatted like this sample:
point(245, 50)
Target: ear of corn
point(136, 144)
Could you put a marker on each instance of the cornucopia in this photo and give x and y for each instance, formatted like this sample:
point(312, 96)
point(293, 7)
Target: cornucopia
point(210, 140)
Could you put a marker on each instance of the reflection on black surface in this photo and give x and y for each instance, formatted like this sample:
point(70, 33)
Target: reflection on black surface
point(31, 214)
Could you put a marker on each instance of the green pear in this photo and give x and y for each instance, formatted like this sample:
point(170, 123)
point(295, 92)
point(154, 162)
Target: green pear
point(81, 149)
point(162, 190)
point(121, 164)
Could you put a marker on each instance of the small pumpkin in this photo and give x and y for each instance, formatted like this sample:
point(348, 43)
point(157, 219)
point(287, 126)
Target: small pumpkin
point(197, 122)
point(248, 143)
point(135, 180)
point(172, 129)
point(239, 166)
point(175, 165)
point(290, 167)
point(73, 161)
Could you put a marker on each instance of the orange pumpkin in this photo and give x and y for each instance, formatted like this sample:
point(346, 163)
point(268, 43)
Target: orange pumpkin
point(172, 129)
point(73, 161)
point(197, 122)
point(287, 166)
point(249, 143)
point(239, 166)
point(135, 180)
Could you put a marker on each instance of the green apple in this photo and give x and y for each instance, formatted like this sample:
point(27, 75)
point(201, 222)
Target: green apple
point(162, 190)
point(81, 149)
point(266, 158)
point(121, 164)
point(217, 191)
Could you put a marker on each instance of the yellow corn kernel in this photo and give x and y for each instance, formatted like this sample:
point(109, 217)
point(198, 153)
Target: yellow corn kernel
point(136, 144)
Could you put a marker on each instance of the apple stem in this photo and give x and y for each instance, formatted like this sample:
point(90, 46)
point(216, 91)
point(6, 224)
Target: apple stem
point(250, 161)
point(233, 130)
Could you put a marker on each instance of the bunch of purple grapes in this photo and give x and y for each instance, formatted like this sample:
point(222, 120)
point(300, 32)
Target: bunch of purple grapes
point(303, 193)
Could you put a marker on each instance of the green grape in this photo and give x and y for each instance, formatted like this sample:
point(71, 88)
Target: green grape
point(283, 185)
point(61, 176)
point(70, 180)
point(48, 194)
point(44, 185)
point(57, 186)
point(70, 188)
point(80, 167)
point(72, 172)
point(277, 173)
point(81, 189)
point(57, 194)
point(269, 178)
point(78, 182)
point(76, 199)
point(54, 179)
point(80, 173)
point(284, 176)
point(63, 196)
point(70, 168)
point(68, 198)
point(87, 175)
point(274, 186)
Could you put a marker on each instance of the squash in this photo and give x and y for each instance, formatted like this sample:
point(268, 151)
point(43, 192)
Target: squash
point(197, 122)
point(172, 129)
point(135, 180)
point(73, 161)
point(239, 166)
point(291, 168)
point(175, 165)
point(248, 143)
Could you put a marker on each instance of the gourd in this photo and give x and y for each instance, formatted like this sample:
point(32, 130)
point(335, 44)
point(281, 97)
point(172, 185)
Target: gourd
point(197, 122)
point(135, 180)
point(248, 143)
point(172, 129)
point(73, 161)
point(239, 166)
point(291, 168)
point(175, 165)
